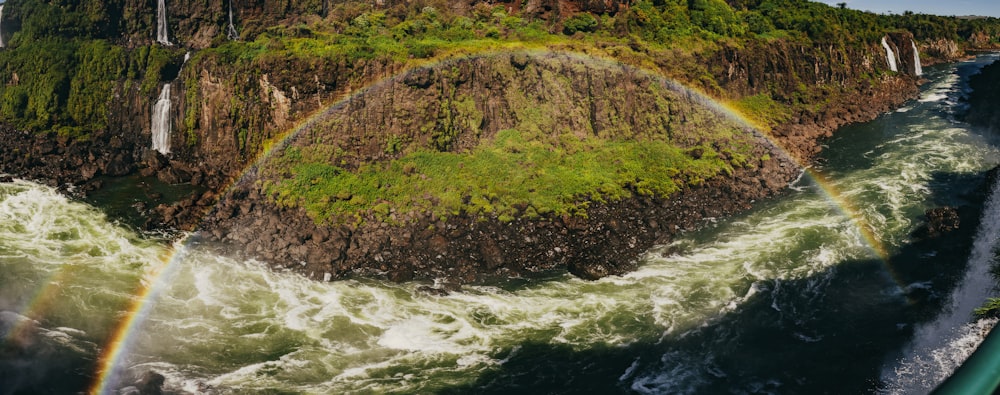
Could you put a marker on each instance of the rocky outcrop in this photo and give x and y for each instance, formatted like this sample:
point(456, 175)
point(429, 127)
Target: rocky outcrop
point(941, 50)
point(903, 45)
point(984, 97)
point(470, 101)
point(465, 248)
point(149, 383)
point(939, 221)
point(809, 126)
point(61, 161)
point(982, 40)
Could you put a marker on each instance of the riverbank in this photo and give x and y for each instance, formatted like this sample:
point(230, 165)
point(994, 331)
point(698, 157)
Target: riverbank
point(574, 182)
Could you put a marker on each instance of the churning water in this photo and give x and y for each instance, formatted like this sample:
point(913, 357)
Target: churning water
point(788, 298)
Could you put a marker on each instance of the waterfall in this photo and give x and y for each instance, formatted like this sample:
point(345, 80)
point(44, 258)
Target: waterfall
point(1, 29)
point(231, 30)
point(161, 23)
point(917, 70)
point(161, 122)
point(891, 56)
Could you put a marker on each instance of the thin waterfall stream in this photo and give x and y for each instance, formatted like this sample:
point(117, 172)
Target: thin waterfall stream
point(161, 122)
point(889, 55)
point(162, 35)
point(2, 44)
point(231, 31)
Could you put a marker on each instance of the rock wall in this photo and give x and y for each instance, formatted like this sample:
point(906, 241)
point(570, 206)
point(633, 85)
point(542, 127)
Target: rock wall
point(984, 98)
point(854, 81)
point(941, 50)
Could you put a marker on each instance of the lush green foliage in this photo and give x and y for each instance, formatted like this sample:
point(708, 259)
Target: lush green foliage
point(66, 85)
point(582, 22)
point(506, 177)
point(81, 19)
point(763, 110)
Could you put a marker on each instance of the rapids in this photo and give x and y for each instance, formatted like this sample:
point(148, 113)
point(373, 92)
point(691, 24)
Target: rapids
point(792, 297)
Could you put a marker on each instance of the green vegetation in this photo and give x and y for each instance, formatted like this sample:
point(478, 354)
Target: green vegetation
point(991, 308)
point(506, 177)
point(583, 22)
point(66, 86)
point(763, 110)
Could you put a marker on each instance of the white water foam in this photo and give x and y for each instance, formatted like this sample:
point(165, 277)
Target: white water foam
point(922, 372)
point(39, 222)
point(940, 90)
point(684, 373)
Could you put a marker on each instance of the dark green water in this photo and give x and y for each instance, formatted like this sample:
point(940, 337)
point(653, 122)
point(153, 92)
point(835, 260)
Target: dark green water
point(789, 298)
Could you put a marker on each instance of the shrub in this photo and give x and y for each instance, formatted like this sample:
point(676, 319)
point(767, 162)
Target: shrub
point(582, 22)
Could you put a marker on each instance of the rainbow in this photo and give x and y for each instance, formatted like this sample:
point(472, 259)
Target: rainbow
point(114, 354)
point(40, 302)
point(111, 358)
point(826, 187)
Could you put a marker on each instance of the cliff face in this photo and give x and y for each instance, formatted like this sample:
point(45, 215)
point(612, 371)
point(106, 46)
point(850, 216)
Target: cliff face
point(457, 106)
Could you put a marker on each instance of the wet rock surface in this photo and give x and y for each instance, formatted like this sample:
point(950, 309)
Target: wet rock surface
point(939, 222)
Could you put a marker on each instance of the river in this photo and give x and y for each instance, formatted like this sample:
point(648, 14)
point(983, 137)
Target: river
point(792, 297)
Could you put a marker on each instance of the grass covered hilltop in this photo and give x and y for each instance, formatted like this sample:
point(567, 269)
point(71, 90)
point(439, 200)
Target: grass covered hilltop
point(431, 138)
